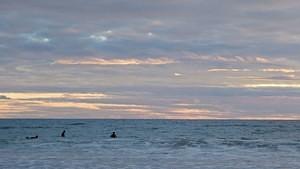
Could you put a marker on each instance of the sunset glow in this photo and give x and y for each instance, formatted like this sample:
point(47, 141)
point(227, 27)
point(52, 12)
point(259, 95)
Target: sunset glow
point(142, 59)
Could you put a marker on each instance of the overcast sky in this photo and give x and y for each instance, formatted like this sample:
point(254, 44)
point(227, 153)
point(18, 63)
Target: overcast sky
point(191, 59)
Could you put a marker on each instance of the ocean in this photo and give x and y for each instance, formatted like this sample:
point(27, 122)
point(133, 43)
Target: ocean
point(150, 144)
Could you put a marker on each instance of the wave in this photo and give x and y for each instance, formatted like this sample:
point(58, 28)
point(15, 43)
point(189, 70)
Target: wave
point(76, 124)
point(24, 127)
point(180, 143)
point(35, 127)
point(3, 142)
point(249, 144)
point(183, 143)
point(7, 127)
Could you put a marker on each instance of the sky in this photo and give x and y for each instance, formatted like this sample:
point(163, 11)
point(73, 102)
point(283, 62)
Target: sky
point(158, 59)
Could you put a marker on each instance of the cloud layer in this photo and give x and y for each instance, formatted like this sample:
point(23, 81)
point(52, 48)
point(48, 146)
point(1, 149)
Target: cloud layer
point(103, 58)
point(100, 61)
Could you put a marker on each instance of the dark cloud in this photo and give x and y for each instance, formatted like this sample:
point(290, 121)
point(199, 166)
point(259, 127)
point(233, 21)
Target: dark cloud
point(2, 97)
point(232, 27)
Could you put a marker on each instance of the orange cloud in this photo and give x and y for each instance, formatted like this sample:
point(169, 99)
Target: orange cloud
point(279, 70)
point(23, 103)
point(194, 113)
point(100, 61)
point(43, 95)
point(272, 85)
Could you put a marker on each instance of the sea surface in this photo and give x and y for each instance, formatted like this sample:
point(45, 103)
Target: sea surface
point(150, 144)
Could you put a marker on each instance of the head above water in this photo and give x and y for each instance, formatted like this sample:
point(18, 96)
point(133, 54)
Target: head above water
point(63, 133)
point(113, 135)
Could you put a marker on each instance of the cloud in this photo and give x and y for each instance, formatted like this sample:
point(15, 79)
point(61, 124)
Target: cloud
point(3, 97)
point(275, 70)
point(98, 38)
point(272, 117)
point(91, 106)
point(241, 59)
point(177, 74)
point(24, 68)
point(282, 70)
point(36, 104)
point(34, 38)
point(150, 34)
point(66, 108)
point(195, 113)
point(13, 107)
point(221, 47)
point(237, 59)
point(290, 77)
point(163, 103)
point(130, 61)
point(272, 85)
point(262, 60)
point(228, 70)
point(45, 95)
point(283, 77)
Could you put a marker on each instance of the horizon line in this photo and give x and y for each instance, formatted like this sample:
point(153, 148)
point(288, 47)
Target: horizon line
point(225, 119)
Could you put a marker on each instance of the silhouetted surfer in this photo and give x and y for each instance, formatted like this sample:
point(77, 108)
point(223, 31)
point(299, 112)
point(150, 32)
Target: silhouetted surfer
point(113, 135)
point(35, 137)
point(63, 133)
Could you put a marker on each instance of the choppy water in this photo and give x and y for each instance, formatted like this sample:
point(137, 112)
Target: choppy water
point(168, 144)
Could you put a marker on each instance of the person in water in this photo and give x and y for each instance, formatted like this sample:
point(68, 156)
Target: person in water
point(35, 137)
point(113, 135)
point(63, 133)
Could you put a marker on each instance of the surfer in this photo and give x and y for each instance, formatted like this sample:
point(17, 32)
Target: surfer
point(113, 135)
point(35, 137)
point(63, 133)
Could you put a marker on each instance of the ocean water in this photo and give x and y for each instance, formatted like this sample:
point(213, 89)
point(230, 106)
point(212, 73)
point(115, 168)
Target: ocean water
point(150, 144)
